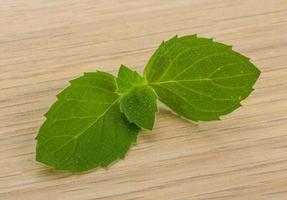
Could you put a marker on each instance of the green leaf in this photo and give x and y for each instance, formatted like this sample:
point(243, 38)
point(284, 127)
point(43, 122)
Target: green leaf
point(200, 79)
point(140, 106)
point(85, 129)
point(128, 79)
point(138, 101)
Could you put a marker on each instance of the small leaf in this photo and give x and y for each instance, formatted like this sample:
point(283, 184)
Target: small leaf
point(138, 101)
point(200, 79)
point(85, 129)
point(128, 79)
point(140, 106)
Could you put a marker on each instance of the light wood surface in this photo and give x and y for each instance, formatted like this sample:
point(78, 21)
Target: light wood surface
point(45, 43)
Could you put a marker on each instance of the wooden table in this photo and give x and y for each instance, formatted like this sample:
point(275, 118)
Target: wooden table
point(43, 44)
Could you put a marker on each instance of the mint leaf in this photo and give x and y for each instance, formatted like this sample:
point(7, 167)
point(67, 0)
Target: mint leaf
point(128, 79)
point(138, 101)
point(140, 106)
point(200, 79)
point(85, 129)
point(97, 118)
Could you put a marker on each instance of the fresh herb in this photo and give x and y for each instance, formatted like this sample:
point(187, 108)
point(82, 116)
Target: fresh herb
point(97, 118)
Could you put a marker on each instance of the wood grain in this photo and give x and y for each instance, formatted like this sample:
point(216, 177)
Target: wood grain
point(43, 44)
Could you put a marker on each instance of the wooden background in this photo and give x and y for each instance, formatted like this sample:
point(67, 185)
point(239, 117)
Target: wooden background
point(45, 43)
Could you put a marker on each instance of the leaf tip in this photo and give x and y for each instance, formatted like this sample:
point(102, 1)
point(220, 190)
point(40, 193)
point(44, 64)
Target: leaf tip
point(58, 95)
point(87, 73)
point(46, 114)
point(123, 67)
point(149, 128)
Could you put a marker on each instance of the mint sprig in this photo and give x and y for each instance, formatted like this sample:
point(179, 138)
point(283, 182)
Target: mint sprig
point(138, 99)
point(97, 118)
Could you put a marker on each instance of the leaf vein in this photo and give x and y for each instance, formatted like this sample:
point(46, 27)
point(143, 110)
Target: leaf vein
point(199, 60)
point(177, 56)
